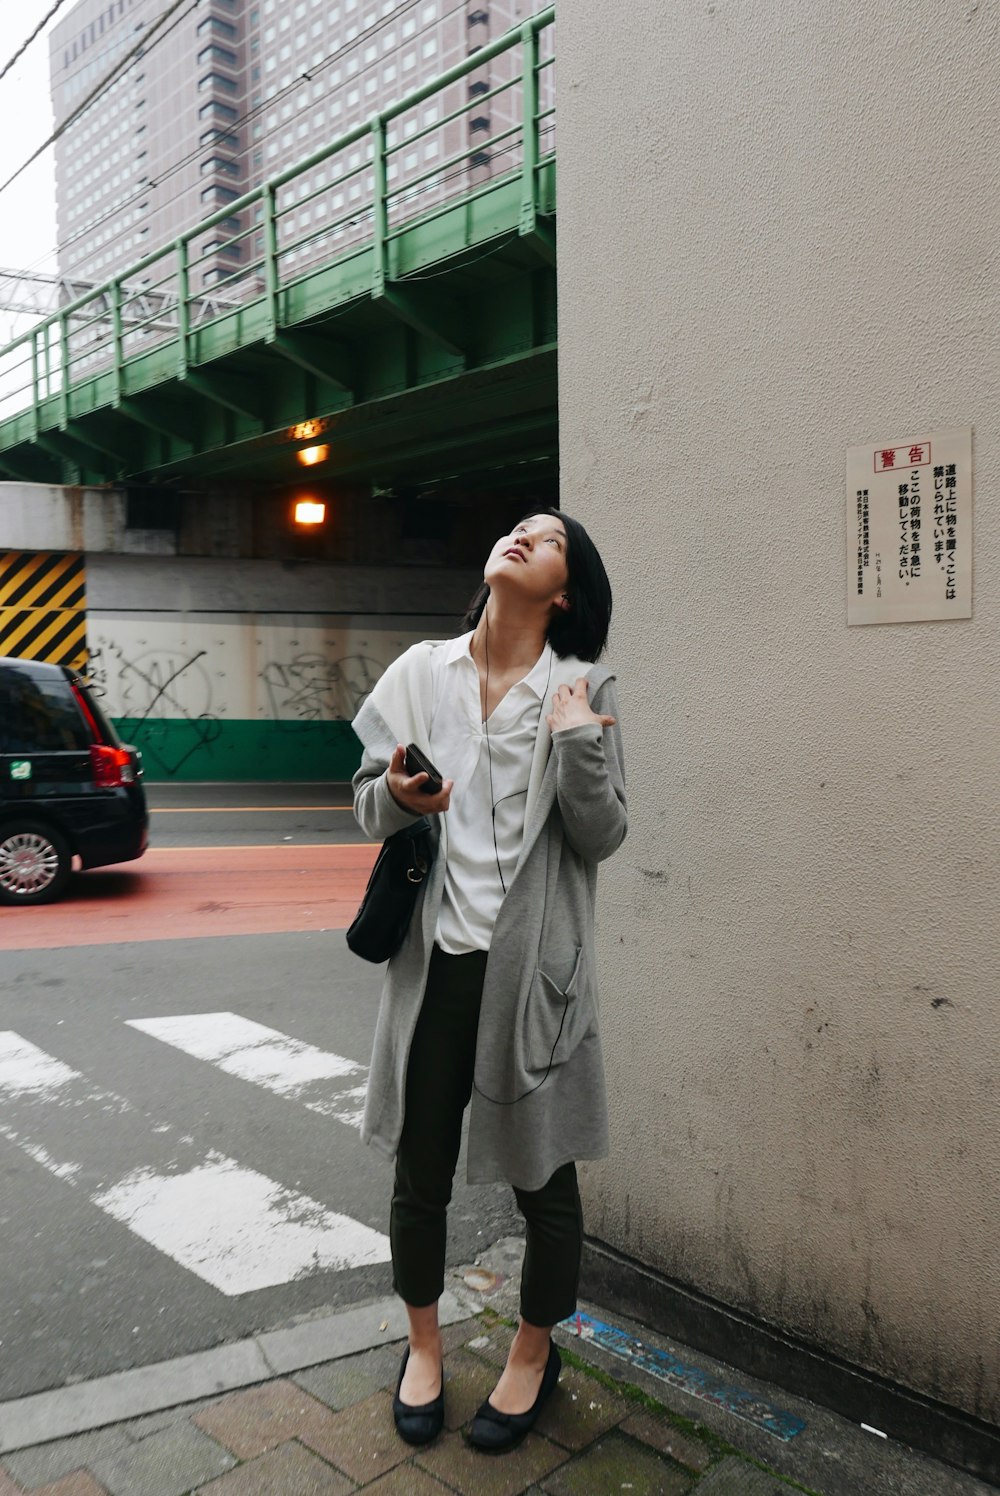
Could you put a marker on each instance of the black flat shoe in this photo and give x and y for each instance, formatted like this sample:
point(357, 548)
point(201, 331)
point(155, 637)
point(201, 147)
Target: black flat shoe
point(417, 1425)
point(496, 1433)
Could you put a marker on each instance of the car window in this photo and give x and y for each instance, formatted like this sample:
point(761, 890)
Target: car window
point(39, 716)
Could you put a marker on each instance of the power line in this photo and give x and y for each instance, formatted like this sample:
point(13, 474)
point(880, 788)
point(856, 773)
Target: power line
point(26, 44)
point(243, 119)
point(101, 87)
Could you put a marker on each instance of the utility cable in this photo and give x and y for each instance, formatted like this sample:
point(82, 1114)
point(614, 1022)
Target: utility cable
point(26, 44)
point(105, 83)
point(243, 119)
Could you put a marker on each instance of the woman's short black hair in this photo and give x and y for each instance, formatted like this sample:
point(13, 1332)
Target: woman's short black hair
point(582, 629)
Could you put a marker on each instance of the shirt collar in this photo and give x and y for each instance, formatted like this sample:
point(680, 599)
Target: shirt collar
point(458, 648)
point(536, 679)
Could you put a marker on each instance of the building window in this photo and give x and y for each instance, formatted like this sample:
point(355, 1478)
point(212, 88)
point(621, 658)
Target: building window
point(216, 193)
point(214, 53)
point(479, 122)
point(479, 86)
point(220, 165)
point(216, 136)
point(216, 26)
point(215, 109)
point(219, 81)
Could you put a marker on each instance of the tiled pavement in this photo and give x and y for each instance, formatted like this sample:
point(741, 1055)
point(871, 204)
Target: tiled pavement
point(328, 1430)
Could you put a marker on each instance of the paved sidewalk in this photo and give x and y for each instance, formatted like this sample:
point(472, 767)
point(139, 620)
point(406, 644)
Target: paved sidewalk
point(328, 1431)
point(306, 1411)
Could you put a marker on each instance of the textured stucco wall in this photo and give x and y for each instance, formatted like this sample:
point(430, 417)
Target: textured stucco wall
point(779, 231)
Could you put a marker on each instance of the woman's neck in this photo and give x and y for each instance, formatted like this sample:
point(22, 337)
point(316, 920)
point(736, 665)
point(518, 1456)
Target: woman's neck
point(513, 637)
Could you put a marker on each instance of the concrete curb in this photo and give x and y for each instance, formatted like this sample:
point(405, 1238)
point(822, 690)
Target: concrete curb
point(43, 1416)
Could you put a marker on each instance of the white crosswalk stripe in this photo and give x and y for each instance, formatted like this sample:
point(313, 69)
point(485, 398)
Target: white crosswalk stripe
point(237, 1229)
point(288, 1067)
point(234, 1227)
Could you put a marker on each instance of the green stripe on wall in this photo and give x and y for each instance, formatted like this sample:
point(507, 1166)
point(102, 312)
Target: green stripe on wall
point(210, 748)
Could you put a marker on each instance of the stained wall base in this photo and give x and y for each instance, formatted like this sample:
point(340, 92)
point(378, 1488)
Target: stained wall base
point(620, 1284)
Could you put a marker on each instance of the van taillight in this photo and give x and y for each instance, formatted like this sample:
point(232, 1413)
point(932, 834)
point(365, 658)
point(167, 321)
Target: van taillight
point(112, 767)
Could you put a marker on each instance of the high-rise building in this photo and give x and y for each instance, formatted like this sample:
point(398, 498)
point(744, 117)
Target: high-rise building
point(216, 96)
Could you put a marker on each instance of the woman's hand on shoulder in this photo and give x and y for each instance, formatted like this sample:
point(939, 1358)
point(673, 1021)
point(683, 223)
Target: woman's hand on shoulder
point(571, 708)
point(406, 791)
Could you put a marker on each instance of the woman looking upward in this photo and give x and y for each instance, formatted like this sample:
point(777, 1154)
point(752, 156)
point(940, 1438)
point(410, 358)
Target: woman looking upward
point(492, 996)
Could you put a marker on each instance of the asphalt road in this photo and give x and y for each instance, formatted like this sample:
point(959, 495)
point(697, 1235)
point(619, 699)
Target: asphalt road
point(183, 1044)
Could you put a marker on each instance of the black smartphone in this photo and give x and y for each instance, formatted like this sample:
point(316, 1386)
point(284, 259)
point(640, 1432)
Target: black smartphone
point(415, 762)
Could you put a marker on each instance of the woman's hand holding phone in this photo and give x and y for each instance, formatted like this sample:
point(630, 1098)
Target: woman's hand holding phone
point(408, 789)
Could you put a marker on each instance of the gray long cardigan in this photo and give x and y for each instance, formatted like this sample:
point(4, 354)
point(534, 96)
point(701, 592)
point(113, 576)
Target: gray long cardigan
point(539, 1098)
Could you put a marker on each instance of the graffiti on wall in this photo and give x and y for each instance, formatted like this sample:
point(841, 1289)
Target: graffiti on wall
point(314, 688)
point(215, 697)
point(155, 687)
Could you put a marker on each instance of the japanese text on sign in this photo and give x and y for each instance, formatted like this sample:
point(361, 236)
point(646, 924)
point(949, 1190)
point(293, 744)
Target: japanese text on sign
point(909, 529)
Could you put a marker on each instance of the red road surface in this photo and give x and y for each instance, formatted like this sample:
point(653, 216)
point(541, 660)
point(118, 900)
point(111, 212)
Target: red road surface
point(181, 893)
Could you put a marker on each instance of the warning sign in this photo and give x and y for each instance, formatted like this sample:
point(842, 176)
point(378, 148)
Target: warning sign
point(909, 528)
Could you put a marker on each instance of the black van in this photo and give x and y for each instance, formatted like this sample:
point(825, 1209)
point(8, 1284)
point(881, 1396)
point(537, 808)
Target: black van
point(68, 786)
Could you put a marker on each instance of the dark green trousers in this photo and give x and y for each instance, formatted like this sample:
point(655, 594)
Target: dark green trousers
point(438, 1089)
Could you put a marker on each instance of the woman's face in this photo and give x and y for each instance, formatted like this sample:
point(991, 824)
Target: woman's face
point(531, 560)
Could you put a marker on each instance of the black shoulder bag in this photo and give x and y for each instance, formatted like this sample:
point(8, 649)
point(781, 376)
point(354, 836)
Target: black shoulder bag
point(383, 918)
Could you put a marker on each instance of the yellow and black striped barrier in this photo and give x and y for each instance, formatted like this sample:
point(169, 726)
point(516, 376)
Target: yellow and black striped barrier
point(43, 606)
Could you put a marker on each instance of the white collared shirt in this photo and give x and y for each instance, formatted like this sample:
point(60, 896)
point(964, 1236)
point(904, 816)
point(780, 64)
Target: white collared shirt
point(490, 764)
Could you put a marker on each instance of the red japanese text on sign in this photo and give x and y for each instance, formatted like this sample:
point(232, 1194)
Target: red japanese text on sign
point(913, 454)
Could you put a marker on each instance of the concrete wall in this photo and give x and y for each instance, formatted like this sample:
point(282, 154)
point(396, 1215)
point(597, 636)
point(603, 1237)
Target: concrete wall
point(222, 669)
point(778, 237)
point(226, 665)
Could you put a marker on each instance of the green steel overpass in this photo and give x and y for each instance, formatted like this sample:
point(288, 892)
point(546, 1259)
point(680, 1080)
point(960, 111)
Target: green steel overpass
point(390, 300)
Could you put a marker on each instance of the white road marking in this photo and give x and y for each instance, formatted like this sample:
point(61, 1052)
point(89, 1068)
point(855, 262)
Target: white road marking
point(265, 1057)
point(42, 1156)
point(26, 1070)
point(29, 1073)
point(235, 1228)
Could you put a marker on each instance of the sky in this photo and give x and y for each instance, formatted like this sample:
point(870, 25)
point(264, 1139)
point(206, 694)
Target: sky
point(28, 206)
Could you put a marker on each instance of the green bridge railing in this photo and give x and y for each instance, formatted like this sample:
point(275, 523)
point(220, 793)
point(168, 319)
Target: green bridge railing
point(417, 184)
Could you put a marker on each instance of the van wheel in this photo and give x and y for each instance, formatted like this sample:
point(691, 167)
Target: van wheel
point(35, 863)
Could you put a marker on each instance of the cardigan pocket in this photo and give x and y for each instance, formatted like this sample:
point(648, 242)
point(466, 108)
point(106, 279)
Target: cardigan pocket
point(557, 1016)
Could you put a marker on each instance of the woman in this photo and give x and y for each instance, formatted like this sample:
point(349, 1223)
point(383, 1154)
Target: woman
point(493, 992)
